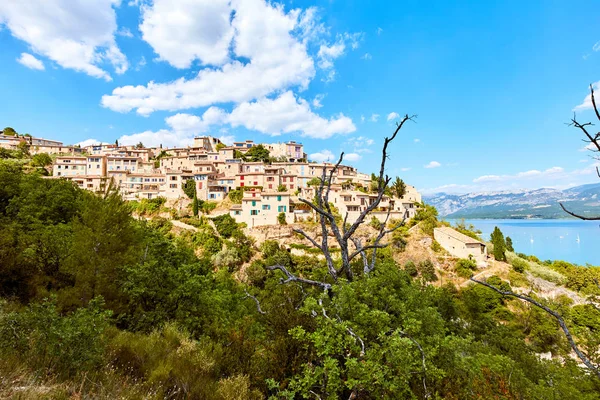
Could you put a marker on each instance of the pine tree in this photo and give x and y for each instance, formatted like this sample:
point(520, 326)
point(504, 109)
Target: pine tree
point(499, 244)
point(509, 244)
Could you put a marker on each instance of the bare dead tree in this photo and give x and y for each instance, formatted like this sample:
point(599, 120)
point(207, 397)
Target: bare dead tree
point(343, 234)
point(591, 138)
point(580, 354)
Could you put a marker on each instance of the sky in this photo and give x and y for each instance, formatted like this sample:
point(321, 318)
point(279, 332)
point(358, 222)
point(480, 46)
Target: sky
point(492, 83)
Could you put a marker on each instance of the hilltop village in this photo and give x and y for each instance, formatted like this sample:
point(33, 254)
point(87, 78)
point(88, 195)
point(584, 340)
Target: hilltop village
point(268, 179)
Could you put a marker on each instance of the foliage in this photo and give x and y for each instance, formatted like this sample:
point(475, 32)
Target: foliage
point(399, 238)
point(314, 182)
point(499, 245)
point(519, 265)
point(220, 146)
point(435, 246)
point(41, 160)
point(411, 269)
point(509, 244)
point(225, 225)
point(469, 230)
point(57, 344)
point(147, 206)
point(282, 188)
point(257, 153)
point(427, 270)
point(8, 131)
point(189, 188)
point(426, 217)
point(195, 205)
point(464, 267)
point(398, 188)
point(236, 196)
point(208, 206)
point(375, 223)
point(281, 219)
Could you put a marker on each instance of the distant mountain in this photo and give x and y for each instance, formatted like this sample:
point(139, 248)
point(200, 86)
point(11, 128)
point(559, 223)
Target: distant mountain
point(538, 203)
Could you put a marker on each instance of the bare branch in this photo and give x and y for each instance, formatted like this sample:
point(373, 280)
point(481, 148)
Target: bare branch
point(313, 241)
point(594, 102)
point(348, 329)
point(402, 333)
point(292, 278)
point(249, 296)
point(553, 313)
point(579, 216)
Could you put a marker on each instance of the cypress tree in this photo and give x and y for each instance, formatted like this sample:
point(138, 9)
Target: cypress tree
point(499, 244)
point(509, 245)
point(195, 205)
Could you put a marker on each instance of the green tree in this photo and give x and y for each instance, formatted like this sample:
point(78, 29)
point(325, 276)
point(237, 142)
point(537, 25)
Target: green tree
point(23, 147)
point(220, 146)
point(282, 188)
point(257, 153)
point(189, 188)
point(398, 188)
point(41, 160)
point(497, 239)
point(236, 196)
point(195, 205)
point(281, 218)
point(8, 131)
point(509, 244)
point(140, 145)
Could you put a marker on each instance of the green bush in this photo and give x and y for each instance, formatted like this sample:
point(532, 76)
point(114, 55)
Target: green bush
point(281, 219)
point(49, 342)
point(375, 223)
point(236, 196)
point(226, 225)
point(208, 206)
point(436, 247)
point(519, 265)
point(427, 270)
point(464, 267)
point(411, 268)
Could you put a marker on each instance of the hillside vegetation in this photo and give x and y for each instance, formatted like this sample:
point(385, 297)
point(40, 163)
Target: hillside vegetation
point(98, 304)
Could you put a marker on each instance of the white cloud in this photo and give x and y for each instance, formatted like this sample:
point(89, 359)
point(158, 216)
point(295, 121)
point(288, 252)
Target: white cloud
point(141, 64)
point(596, 46)
point(323, 155)
point(76, 34)
point(367, 56)
point(227, 139)
point(327, 54)
point(316, 103)
point(352, 157)
point(433, 164)
point(181, 31)
point(374, 117)
point(263, 35)
point(405, 169)
point(362, 118)
point(360, 144)
point(125, 32)
point(379, 30)
point(89, 142)
point(393, 115)
point(284, 114)
point(587, 102)
point(288, 114)
point(417, 140)
point(534, 173)
point(30, 62)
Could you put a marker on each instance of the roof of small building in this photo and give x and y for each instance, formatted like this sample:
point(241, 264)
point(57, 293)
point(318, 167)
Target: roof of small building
point(461, 237)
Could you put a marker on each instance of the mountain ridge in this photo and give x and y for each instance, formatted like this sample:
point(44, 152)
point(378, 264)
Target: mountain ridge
point(519, 203)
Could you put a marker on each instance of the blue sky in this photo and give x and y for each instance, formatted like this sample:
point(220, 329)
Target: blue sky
point(492, 83)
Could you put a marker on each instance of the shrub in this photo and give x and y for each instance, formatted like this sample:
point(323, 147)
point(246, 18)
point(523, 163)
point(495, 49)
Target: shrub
point(189, 188)
point(411, 268)
point(208, 206)
point(427, 270)
point(236, 196)
point(464, 267)
point(49, 342)
point(225, 224)
point(228, 257)
point(281, 188)
point(519, 265)
point(436, 247)
point(374, 223)
point(281, 219)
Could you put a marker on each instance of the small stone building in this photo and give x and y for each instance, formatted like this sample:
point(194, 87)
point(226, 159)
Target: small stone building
point(460, 245)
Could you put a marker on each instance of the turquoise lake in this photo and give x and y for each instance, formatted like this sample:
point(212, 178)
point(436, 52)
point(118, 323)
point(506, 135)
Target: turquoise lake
point(575, 241)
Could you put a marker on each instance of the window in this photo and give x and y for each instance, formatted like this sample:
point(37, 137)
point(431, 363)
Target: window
point(266, 207)
point(242, 184)
point(278, 198)
point(281, 209)
point(173, 186)
point(237, 212)
point(291, 186)
point(242, 178)
point(253, 203)
point(253, 212)
point(270, 186)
